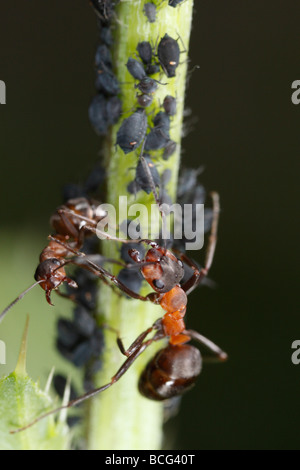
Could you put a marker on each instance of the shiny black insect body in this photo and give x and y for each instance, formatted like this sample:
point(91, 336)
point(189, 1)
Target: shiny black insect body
point(169, 105)
point(132, 131)
point(104, 9)
point(156, 139)
point(144, 100)
point(169, 149)
point(150, 11)
point(161, 120)
point(145, 51)
point(142, 178)
point(147, 85)
point(103, 112)
point(103, 56)
point(136, 69)
point(174, 3)
point(168, 55)
point(106, 81)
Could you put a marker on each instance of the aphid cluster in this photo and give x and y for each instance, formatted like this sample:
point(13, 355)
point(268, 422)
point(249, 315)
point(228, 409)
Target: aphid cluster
point(105, 107)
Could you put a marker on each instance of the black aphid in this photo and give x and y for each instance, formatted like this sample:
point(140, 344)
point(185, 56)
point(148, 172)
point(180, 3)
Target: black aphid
point(152, 69)
point(147, 85)
point(104, 112)
point(92, 183)
point(83, 321)
point(142, 178)
point(168, 55)
point(103, 56)
point(132, 278)
point(145, 51)
point(132, 131)
point(104, 9)
point(150, 11)
point(113, 109)
point(106, 81)
point(161, 120)
point(106, 36)
point(169, 105)
point(174, 3)
point(97, 114)
point(133, 187)
point(136, 69)
point(60, 382)
point(144, 100)
point(146, 54)
point(156, 139)
point(169, 149)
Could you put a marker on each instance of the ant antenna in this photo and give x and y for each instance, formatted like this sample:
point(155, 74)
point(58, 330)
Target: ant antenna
point(20, 296)
point(214, 229)
point(153, 189)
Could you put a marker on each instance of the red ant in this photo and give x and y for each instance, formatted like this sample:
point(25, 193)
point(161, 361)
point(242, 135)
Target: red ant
point(69, 222)
point(174, 369)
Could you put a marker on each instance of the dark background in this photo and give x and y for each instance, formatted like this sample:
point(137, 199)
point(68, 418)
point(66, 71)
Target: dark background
point(246, 135)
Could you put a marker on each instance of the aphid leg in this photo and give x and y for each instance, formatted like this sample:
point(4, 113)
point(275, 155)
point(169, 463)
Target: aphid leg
point(182, 43)
point(137, 349)
point(218, 354)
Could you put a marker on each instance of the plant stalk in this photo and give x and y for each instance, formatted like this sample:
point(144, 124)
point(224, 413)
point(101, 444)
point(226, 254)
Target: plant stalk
point(120, 418)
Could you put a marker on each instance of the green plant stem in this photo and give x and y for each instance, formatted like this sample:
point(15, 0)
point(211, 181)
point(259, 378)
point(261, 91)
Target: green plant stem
point(120, 418)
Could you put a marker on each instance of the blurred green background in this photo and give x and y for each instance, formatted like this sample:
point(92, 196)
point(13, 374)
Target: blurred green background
point(246, 135)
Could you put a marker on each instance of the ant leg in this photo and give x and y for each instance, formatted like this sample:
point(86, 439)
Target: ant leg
point(103, 274)
point(198, 275)
point(106, 235)
point(124, 367)
point(194, 280)
point(219, 355)
point(138, 341)
point(71, 229)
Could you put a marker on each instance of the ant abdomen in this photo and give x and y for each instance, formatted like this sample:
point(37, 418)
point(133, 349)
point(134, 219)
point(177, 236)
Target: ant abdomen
point(171, 372)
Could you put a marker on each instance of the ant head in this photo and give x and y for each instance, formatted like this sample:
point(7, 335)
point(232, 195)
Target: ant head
point(165, 272)
point(51, 274)
point(171, 372)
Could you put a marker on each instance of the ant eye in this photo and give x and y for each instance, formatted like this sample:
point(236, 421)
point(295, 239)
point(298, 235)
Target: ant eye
point(158, 284)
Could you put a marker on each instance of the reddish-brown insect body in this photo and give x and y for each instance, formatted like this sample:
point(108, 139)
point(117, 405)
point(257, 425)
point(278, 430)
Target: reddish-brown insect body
point(71, 223)
point(164, 273)
point(171, 372)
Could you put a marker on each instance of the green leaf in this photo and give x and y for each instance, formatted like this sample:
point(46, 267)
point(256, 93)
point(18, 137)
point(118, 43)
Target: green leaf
point(21, 401)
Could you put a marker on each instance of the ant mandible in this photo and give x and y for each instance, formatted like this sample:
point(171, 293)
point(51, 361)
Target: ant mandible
point(175, 368)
